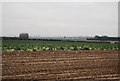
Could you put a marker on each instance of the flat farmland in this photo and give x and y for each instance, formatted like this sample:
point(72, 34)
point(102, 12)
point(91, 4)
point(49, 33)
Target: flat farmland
point(79, 65)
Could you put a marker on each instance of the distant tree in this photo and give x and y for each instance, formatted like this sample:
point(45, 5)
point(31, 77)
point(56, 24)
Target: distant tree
point(96, 36)
point(104, 36)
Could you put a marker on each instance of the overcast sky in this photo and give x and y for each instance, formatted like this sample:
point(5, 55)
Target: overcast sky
point(60, 18)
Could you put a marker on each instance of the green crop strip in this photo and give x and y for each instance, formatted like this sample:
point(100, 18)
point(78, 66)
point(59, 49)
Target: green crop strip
point(29, 45)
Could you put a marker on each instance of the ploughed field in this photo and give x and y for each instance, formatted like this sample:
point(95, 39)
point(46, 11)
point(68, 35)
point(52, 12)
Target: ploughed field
point(88, 65)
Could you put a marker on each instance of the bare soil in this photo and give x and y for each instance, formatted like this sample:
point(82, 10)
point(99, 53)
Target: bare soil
point(91, 65)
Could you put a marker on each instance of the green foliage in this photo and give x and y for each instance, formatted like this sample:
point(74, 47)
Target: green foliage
point(28, 45)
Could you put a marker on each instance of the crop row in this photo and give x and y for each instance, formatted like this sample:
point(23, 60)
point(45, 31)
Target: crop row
point(12, 45)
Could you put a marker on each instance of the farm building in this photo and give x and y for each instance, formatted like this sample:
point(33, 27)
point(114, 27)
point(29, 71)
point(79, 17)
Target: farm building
point(24, 36)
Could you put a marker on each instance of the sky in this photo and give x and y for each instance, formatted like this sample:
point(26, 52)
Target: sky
point(60, 18)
